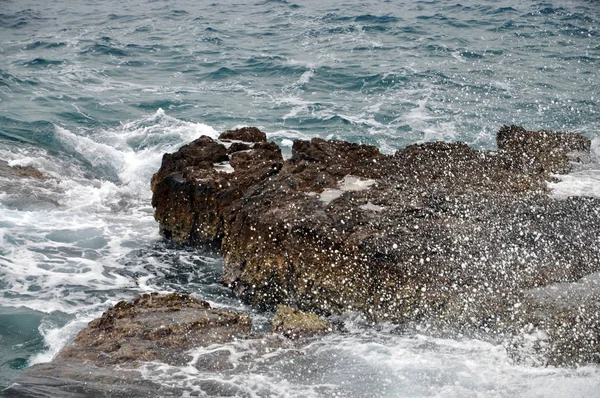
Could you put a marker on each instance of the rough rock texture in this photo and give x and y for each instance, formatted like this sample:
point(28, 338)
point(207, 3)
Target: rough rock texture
point(190, 194)
point(295, 324)
point(439, 233)
point(245, 134)
point(541, 151)
point(104, 359)
point(155, 328)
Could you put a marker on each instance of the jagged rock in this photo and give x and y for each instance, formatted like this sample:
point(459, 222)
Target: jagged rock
point(438, 233)
point(246, 134)
point(193, 187)
point(541, 151)
point(295, 324)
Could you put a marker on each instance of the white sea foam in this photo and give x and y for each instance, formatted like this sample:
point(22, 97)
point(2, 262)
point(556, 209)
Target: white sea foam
point(371, 363)
point(79, 256)
point(347, 184)
point(305, 77)
point(456, 55)
point(369, 121)
point(299, 106)
point(581, 183)
point(584, 180)
point(57, 337)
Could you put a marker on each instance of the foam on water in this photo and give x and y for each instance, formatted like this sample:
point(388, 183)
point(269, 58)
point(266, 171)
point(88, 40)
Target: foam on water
point(580, 183)
point(75, 258)
point(56, 336)
point(371, 363)
point(584, 180)
point(75, 243)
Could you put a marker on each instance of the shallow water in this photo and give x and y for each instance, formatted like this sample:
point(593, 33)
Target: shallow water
point(93, 94)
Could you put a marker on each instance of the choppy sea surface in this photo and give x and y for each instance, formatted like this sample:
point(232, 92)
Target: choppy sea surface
point(93, 93)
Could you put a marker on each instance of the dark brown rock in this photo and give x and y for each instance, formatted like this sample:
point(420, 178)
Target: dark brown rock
point(440, 233)
point(238, 147)
point(245, 134)
point(201, 153)
point(190, 194)
point(540, 151)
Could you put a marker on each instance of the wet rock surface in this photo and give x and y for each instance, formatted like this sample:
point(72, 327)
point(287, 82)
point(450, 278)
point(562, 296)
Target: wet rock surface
point(295, 324)
point(155, 328)
point(107, 358)
point(27, 188)
point(439, 233)
point(18, 172)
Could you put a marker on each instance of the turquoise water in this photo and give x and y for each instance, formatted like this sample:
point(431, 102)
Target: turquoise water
point(93, 93)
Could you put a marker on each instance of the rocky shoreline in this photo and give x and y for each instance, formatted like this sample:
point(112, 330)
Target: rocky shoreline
point(439, 236)
point(438, 233)
point(106, 357)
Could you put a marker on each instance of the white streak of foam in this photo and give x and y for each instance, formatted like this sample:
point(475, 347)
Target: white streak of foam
point(456, 55)
point(357, 120)
point(298, 106)
point(582, 183)
point(305, 77)
point(223, 167)
point(56, 338)
point(347, 184)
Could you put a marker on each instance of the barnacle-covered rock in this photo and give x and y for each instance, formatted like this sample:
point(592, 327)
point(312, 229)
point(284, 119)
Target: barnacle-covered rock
point(438, 233)
point(155, 328)
point(541, 151)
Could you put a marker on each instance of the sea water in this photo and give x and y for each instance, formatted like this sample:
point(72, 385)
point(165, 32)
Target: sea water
point(93, 93)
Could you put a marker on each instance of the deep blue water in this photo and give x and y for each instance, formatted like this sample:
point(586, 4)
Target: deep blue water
point(93, 93)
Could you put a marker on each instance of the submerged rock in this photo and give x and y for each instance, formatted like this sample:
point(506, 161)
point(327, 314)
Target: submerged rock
point(439, 233)
point(19, 172)
point(26, 188)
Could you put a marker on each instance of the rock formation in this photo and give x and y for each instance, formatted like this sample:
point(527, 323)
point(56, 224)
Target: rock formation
point(439, 233)
point(105, 358)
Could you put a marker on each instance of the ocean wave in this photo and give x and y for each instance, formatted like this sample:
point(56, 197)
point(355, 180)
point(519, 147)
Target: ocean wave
point(104, 49)
point(38, 44)
point(42, 62)
point(21, 18)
